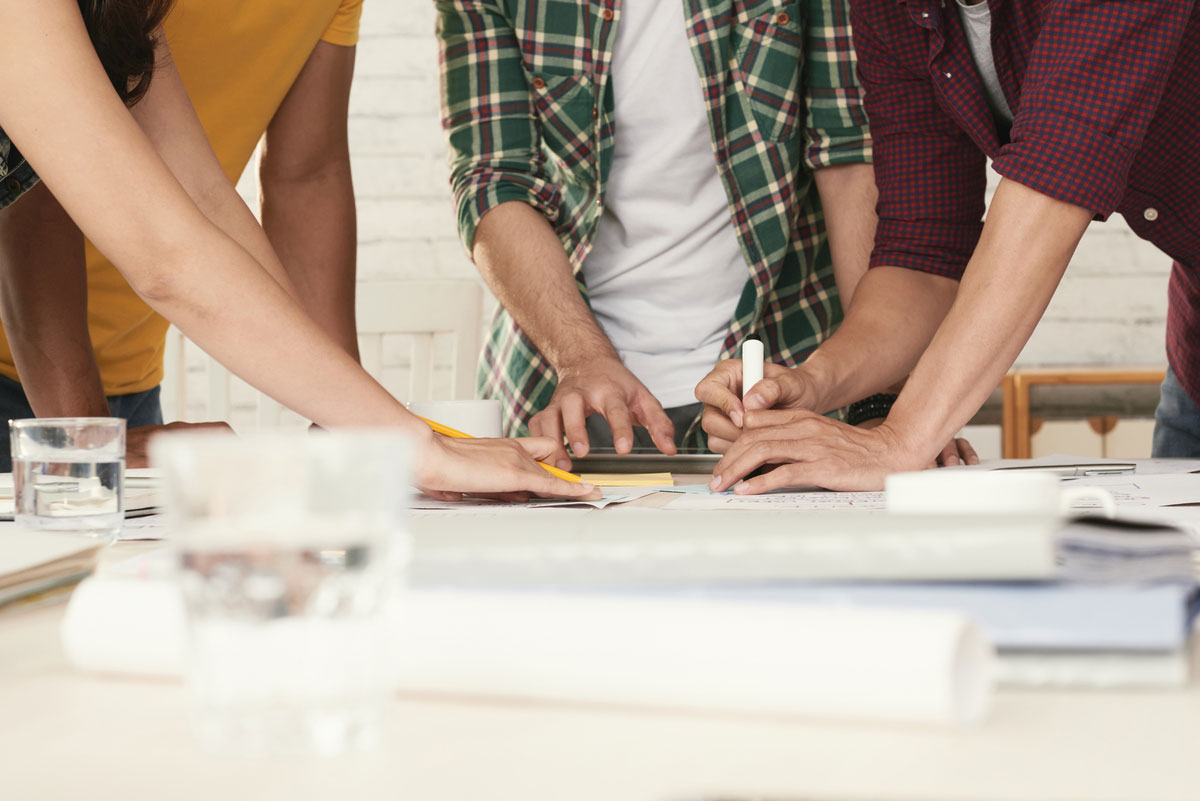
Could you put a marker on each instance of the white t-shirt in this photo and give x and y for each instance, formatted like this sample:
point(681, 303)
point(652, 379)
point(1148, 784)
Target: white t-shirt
point(666, 270)
point(977, 21)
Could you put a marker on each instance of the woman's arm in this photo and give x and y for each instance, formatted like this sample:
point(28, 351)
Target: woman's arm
point(106, 173)
point(60, 109)
point(168, 120)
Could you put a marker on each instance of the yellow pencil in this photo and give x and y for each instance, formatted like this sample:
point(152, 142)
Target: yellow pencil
point(451, 432)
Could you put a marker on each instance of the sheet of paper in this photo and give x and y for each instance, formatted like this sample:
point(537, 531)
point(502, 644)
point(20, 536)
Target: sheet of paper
point(694, 489)
point(628, 479)
point(1142, 491)
point(804, 500)
point(150, 527)
point(1145, 467)
point(423, 503)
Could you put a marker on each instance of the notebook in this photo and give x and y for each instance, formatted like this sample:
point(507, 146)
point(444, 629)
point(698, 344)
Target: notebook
point(33, 562)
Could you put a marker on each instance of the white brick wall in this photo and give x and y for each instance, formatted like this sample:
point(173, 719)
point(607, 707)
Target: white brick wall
point(406, 220)
point(1110, 309)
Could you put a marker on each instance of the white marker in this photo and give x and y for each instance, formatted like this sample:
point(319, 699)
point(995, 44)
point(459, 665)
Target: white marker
point(752, 364)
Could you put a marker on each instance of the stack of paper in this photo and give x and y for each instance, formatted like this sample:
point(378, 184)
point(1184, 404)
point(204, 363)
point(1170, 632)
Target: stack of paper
point(35, 562)
point(141, 493)
point(641, 547)
point(1087, 602)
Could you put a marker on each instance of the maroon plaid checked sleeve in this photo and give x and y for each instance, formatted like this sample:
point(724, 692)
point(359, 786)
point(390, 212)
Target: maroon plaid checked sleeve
point(1106, 104)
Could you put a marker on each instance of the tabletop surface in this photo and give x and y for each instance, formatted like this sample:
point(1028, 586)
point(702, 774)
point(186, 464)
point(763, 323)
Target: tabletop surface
point(64, 734)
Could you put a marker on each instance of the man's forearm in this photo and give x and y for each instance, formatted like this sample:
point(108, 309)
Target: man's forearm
point(523, 262)
point(43, 287)
point(311, 224)
point(894, 315)
point(848, 197)
point(1026, 245)
point(308, 192)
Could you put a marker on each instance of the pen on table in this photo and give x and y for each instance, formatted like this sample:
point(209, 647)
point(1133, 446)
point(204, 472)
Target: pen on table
point(447, 431)
point(752, 364)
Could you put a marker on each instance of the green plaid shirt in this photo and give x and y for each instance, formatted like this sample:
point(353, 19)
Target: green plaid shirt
point(527, 106)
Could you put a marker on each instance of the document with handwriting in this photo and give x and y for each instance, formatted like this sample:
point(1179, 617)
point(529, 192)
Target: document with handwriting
point(810, 499)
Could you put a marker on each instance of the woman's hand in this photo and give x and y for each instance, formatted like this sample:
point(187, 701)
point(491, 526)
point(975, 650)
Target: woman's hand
point(506, 469)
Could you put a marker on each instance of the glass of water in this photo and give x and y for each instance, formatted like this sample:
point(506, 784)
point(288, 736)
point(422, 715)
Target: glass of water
point(287, 545)
point(69, 473)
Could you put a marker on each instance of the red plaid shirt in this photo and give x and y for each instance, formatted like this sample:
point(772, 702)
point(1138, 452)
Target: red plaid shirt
point(1106, 104)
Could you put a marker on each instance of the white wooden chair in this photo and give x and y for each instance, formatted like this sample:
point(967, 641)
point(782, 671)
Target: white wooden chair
point(182, 360)
point(388, 312)
point(421, 311)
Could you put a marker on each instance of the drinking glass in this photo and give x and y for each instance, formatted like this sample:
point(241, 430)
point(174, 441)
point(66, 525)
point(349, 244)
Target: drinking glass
point(69, 474)
point(286, 547)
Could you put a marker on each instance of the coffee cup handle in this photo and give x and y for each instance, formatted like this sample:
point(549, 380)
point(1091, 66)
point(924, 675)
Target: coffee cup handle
point(1108, 506)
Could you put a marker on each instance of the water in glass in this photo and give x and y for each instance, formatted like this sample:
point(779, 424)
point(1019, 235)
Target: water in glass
point(288, 644)
point(62, 493)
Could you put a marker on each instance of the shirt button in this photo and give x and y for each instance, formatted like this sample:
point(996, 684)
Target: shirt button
point(1150, 214)
point(948, 75)
point(607, 14)
point(924, 15)
point(538, 83)
point(783, 19)
point(12, 186)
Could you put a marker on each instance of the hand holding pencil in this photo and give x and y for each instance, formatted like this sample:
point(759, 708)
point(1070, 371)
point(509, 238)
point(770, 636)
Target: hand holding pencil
point(498, 468)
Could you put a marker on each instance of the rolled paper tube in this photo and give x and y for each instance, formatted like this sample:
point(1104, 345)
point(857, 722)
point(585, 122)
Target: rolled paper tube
point(662, 651)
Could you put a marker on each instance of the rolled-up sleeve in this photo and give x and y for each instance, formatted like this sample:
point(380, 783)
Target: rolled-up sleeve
point(837, 130)
point(1093, 84)
point(488, 115)
point(931, 176)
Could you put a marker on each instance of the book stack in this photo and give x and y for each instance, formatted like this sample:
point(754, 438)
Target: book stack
point(37, 563)
point(1087, 602)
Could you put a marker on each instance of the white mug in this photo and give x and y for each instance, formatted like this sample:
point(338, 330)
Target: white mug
point(1028, 492)
point(479, 418)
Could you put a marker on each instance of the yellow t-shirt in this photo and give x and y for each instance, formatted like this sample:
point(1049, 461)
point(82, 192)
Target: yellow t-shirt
point(238, 59)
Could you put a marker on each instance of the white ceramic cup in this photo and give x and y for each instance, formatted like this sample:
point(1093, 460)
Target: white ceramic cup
point(479, 418)
point(1024, 492)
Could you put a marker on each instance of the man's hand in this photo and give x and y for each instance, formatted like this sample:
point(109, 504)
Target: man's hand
point(958, 451)
point(137, 440)
point(606, 387)
point(812, 450)
point(724, 410)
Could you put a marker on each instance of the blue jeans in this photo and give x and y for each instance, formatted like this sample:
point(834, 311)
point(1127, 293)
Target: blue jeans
point(1176, 422)
point(138, 408)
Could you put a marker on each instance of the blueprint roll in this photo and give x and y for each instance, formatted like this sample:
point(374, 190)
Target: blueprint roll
point(132, 627)
point(927, 667)
point(665, 651)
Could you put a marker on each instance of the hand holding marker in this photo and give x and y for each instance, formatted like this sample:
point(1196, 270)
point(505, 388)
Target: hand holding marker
point(752, 364)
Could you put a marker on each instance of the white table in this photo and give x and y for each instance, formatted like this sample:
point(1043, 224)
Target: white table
point(65, 735)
